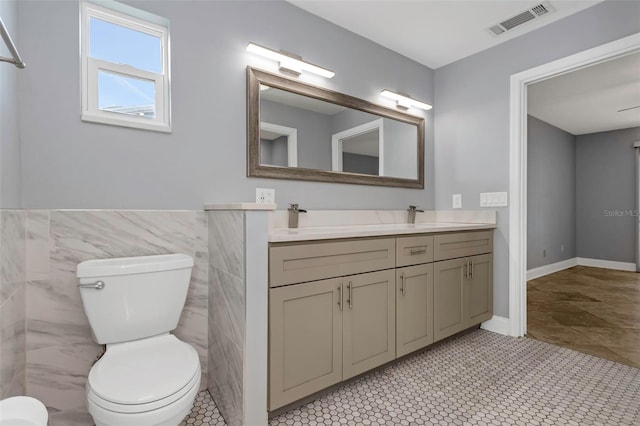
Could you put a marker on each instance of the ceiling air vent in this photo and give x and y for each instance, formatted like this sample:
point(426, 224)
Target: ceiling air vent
point(530, 14)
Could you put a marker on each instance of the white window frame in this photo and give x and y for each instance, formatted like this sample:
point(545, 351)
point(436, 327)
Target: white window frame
point(137, 20)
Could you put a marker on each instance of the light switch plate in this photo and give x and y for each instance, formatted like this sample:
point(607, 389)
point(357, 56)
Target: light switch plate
point(457, 201)
point(493, 199)
point(265, 196)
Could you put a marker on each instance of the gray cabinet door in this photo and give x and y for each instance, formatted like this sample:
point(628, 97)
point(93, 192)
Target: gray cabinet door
point(369, 338)
point(449, 299)
point(305, 340)
point(414, 308)
point(480, 289)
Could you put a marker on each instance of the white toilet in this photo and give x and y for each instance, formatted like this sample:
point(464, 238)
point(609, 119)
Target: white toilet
point(146, 377)
point(22, 411)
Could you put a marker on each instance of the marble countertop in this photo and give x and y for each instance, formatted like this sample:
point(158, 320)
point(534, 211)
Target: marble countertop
point(353, 231)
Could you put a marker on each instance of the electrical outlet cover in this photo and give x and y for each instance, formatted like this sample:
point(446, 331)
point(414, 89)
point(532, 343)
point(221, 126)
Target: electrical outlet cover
point(457, 201)
point(493, 199)
point(265, 196)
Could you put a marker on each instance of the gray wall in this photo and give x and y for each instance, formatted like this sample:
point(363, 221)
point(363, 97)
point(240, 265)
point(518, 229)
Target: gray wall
point(551, 194)
point(10, 188)
point(358, 163)
point(71, 164)
point(472, 110)
point(400, 150)
point(606, 197)
point(275, 152)
point(350, 118)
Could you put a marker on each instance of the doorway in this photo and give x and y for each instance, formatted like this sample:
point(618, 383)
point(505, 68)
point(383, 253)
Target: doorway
point(518, 163)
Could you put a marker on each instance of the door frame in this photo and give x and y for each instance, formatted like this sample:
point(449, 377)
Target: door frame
point(337, 146)
point(518, 162)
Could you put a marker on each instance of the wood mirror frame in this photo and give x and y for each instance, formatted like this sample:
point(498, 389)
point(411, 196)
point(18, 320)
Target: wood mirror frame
point(255, 77)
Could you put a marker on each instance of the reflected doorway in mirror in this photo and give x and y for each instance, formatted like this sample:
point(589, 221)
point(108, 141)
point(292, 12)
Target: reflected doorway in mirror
point(359, 149)
point(278, 145)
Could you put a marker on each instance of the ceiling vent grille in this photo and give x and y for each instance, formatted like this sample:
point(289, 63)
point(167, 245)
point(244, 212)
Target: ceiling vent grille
point(530, 14)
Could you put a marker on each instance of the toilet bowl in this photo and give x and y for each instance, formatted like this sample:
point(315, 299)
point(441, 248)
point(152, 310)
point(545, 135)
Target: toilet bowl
point(153, 381)
point(147, 376)
point(22, 411)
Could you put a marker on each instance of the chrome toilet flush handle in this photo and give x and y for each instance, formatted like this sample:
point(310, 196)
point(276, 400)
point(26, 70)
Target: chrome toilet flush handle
point(98, 285)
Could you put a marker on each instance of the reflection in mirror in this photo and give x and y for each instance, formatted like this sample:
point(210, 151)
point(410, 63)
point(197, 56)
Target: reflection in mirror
point(359, 149)
point(278, 145)
point(337, 138)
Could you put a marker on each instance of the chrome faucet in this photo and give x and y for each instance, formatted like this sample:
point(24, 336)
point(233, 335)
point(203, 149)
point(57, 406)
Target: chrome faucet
point(293, 215)
point(411, 217)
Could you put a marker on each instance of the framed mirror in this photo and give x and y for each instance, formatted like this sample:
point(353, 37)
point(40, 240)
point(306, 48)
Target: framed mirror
point(304, 132)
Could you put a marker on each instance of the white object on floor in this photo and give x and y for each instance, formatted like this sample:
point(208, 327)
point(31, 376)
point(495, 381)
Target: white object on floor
point(147, 376)
point(22, 411)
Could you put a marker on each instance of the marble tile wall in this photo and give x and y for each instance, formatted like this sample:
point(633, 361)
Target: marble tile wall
point(227, 313)
point(60, 349)
point(12, 303)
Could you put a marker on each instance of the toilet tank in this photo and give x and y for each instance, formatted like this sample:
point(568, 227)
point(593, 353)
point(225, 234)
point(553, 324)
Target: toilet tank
point(141, 297)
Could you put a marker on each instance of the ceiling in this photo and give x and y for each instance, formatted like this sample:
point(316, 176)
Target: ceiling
point(438, 32)
point(435, 32)
point(592, 99)
point(299, 101)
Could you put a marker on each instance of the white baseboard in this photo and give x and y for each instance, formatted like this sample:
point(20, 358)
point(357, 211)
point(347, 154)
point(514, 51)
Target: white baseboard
point(607, 264)
point(541, 271)
point(497, 324)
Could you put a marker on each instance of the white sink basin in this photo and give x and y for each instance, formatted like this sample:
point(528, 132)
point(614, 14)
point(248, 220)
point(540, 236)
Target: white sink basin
point(22, 411)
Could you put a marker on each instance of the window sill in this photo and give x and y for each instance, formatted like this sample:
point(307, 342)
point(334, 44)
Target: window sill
point(122, 122)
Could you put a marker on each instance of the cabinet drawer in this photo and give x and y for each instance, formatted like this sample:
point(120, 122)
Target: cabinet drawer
point(451, 246)
point(297, 263)
point(414, 250)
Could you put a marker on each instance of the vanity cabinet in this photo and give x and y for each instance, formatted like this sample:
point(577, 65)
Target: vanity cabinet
point(414, 308)
point(305, 340)
point(414, 293)
point(301, 262)
point(322, 332)
point(463, 285)
point(368, 322)
point(339, 308)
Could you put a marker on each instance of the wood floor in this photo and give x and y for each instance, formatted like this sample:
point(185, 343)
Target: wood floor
point(591, 310)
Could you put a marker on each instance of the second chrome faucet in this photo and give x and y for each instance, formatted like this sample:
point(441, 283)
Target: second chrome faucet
point(293, 215)
point(411, 214)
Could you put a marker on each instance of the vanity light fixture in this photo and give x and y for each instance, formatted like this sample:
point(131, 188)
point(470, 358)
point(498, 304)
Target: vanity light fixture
point(289, 62)
point(405, 102)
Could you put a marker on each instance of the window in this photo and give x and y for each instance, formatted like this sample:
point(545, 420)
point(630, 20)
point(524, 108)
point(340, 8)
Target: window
point(125, 67)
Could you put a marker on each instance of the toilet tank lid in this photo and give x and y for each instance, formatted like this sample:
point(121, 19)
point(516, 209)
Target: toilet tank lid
point(133, 265)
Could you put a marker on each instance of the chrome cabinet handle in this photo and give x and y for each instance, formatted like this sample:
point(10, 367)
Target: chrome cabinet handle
point(413, 252)
point(466, 269)
point(471, 269)
point(350, 298)
point(98, 285)
point(340, 296)
point(402, 278)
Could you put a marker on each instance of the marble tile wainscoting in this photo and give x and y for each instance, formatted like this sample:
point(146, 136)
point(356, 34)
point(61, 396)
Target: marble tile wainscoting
point(226, 316)
point(12, 303)
point(59, 346)
point(238, 314)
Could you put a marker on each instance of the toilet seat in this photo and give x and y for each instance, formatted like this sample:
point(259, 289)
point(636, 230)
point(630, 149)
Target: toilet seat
point(144, 375)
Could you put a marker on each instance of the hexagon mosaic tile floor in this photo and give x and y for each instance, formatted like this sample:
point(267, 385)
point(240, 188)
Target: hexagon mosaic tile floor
point(479, 378)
